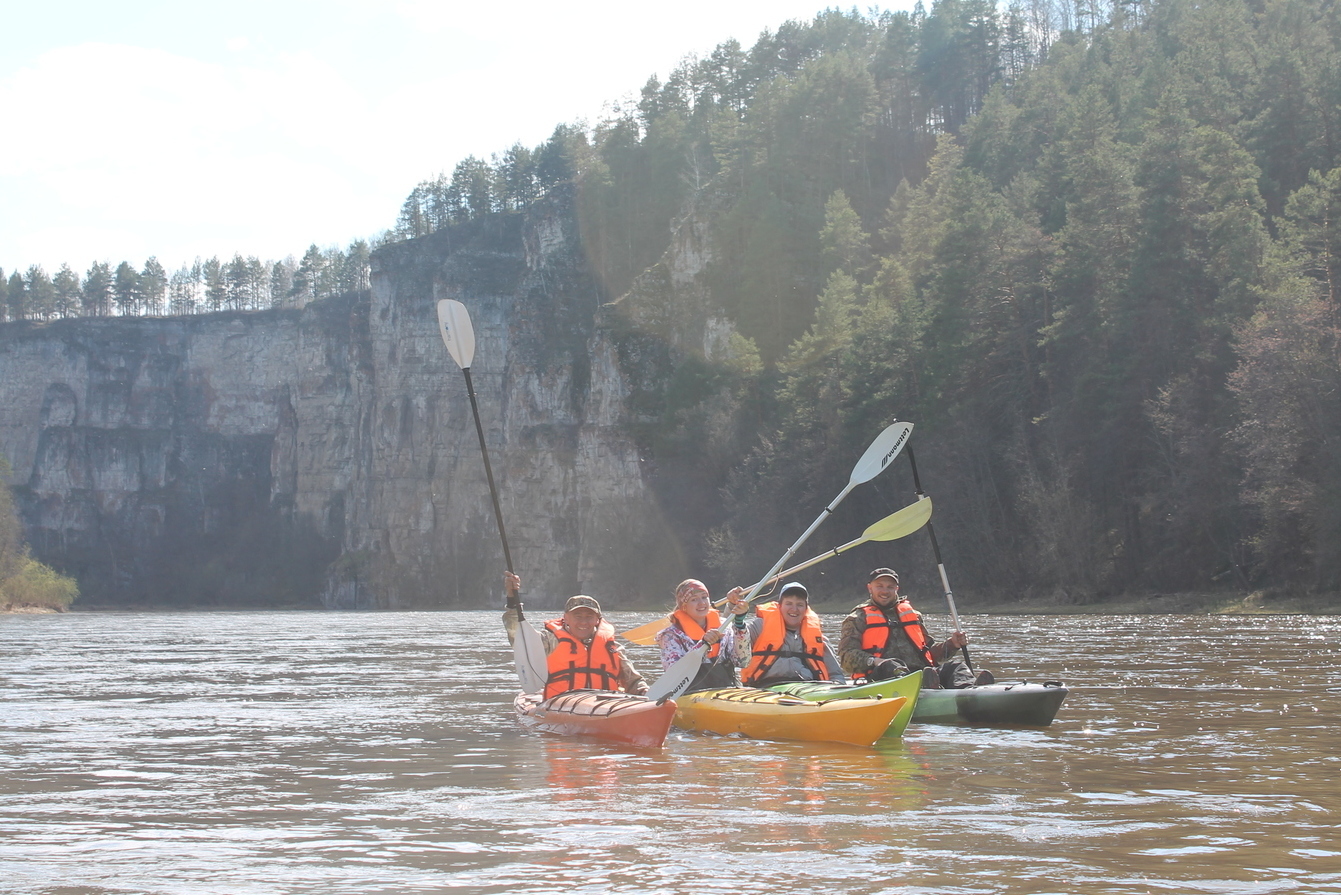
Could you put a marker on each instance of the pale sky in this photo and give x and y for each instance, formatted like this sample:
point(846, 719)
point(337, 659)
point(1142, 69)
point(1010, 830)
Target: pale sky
point(157, 127)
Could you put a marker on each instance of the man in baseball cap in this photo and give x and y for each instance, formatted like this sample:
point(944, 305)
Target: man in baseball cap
point(580, 647)
point(885, 638)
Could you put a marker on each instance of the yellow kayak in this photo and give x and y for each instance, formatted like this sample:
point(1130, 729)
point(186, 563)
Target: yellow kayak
point(909, 687)
point(765, 715)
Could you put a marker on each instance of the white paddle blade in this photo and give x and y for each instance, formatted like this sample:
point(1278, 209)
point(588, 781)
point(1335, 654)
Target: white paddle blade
point(528, 650)
point(676, 679)
point(881, 453)
point(457, 333)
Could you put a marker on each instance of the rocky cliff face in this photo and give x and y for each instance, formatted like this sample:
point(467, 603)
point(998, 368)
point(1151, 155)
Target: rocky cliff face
point(328, 455)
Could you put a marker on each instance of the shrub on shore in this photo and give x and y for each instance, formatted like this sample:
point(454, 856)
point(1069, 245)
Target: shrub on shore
point(37, 586)
point(26, 583)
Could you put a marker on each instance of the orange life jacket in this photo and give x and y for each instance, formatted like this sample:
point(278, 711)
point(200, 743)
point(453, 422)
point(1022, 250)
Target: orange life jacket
point(575, 666)
point(768, 645)
point(695, 631)
point(879, 625)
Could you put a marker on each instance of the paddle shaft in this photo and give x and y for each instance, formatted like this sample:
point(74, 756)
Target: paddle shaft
point(936, 550)
point(528, 649)
point(677, 678)
point(639, 634)
point(894, 526)
point(813, 561)
point(489, 474)
point(871, 534)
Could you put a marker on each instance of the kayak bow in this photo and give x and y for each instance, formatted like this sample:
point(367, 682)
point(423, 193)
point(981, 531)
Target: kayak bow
point(616, 717)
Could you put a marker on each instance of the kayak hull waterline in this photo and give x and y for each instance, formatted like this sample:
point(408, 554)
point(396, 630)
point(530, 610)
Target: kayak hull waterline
point(615, 717)
point(765, 715)
point(1022, 703)
point(908, 687)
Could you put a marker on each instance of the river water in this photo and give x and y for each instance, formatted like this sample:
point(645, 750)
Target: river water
point(377, 753)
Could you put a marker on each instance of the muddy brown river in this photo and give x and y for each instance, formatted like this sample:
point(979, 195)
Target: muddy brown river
point(258, 753)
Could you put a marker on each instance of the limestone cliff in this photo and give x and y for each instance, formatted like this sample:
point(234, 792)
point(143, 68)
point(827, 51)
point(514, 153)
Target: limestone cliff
point(327, 455)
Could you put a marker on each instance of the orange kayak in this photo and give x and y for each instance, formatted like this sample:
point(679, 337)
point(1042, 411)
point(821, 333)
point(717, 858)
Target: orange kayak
point(617, 717)
point(766, 715)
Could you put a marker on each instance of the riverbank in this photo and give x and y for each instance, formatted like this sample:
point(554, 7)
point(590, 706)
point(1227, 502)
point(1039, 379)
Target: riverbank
point(1256, 603)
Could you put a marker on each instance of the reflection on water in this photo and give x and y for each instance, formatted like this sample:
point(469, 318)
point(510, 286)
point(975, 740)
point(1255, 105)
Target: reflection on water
point(295, 753)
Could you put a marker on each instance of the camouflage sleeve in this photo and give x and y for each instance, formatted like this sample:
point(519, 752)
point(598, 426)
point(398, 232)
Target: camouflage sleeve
point(851, 656)
point(630, 679)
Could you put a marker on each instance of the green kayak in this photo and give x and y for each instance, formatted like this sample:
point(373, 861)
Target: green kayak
point(1020, 702)
point(908, 686)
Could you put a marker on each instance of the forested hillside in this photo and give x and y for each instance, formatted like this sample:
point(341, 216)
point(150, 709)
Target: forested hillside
point(1093, 256)
point(1092, 250)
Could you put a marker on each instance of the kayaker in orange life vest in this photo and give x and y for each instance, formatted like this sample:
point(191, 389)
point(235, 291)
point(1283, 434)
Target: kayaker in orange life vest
point(580, 647)
point(783, 642)
point(884, 638)
point(694, 621)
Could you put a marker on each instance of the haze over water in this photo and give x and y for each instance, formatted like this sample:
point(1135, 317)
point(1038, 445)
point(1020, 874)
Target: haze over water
point(377, 753)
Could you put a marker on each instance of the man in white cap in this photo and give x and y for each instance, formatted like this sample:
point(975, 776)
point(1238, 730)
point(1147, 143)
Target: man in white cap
point(580, 647)
point(783, 642)
point(884, 638)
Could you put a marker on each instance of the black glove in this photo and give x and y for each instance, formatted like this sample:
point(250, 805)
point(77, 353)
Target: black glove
point(884, 669)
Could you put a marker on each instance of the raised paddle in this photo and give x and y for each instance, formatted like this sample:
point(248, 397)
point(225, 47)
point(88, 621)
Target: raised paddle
point(676, 679)
point(527, 648)
point(940, 566)
point(894, 526)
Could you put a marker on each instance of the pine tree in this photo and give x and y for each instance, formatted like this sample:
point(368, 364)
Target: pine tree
point(355, 273)
point(41, 299)
point(258, 283)
point(126, 289)
point(235, 284)
point(414, 220)
point(517, 178)
point(306, 279)
point(184, 290)
point(68, 291)
point(281, 283)
point(844, 240)
point(216, 285)
point(98, 290)
point(153, 286)
point(471, 193)
point(332, 269)
point(16, 297)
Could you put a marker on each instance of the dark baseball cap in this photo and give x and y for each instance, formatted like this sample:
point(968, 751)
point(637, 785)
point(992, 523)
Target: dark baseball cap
point(884, 573)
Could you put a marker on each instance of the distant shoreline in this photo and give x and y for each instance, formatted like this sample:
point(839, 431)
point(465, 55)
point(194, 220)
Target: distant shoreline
point(1256, 603)
point(1150, 604)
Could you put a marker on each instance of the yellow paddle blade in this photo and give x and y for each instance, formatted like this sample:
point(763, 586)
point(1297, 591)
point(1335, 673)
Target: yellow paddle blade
point(646, 635)
point(900, 524)
point(892, 527)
